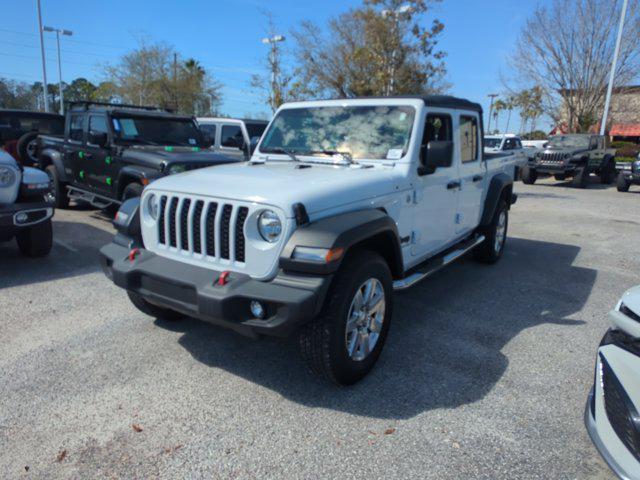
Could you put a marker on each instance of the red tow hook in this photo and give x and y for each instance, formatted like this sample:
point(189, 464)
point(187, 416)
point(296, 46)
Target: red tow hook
point(133, 254)
point(223, 278)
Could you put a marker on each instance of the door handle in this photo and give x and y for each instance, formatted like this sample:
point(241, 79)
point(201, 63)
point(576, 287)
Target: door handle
point(453, 185)
point(477, 178)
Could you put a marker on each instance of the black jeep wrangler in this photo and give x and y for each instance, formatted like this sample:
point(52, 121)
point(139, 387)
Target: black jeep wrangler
point(574, 156)
point(109, 152)
point(628, 174)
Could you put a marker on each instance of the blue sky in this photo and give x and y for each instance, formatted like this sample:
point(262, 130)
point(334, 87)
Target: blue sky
point(225, 36)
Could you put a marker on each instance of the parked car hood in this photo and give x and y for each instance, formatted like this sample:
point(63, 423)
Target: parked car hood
point(282, 184)
point(154, 156)
point(564, 151)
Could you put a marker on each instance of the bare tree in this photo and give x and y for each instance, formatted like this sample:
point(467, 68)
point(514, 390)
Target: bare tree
point(566, 49)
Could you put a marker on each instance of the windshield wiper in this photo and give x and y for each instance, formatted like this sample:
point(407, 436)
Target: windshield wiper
point(289, 153)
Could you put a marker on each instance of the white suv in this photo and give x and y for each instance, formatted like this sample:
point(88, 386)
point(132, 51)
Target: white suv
point(342, 203)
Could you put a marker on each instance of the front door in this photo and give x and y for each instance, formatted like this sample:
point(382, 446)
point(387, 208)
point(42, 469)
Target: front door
point(73, 151)
point(472, 173)
point(435, 195)
point(98, 159)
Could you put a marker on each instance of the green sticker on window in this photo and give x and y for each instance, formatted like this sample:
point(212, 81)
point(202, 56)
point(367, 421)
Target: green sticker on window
point(168, 149)
point(195, 149)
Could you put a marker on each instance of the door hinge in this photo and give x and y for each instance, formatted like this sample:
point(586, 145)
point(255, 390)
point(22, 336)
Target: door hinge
point(458, 218)
point(418, 195)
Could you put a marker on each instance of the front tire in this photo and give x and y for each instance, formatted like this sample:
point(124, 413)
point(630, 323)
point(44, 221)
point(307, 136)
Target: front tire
point(153, 310)
point(36, 240)
point(529, 175)
point(622, 184)
point(58, 196)
point(608, 173)
point(495, 235)
point(344, 342)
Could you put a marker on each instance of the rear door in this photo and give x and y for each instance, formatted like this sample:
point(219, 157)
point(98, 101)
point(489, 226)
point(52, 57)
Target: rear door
point(436, 194)
point(232, 140)
point(471, 172)
point(73, 150)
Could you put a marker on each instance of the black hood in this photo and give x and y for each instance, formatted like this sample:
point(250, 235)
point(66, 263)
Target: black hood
point(565, 151)
point(156, 156)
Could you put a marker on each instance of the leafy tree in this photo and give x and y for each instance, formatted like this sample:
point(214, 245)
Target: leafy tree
point(380, 48)
point(80, 89)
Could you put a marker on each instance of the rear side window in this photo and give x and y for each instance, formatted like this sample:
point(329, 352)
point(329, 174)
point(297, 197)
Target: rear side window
point(75, 128)
point(98, 124)
point(231, 136)
point(437, 128)
point(468, 138)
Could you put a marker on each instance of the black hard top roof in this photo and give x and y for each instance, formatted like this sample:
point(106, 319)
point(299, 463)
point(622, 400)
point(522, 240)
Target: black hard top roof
point(441, 101)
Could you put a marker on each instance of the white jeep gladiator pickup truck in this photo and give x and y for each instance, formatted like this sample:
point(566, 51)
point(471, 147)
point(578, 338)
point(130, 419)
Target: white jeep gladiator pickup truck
point(342, 203)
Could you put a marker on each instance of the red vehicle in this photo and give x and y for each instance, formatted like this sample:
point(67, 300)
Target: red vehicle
point(19, 129)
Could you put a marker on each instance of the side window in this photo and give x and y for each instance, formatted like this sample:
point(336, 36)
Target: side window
point(468, 138)
point(518, 143)
point(98, 124)
point(231, 136)
point(437, 128)
point(509, 144)
point(594, 143)
point(76, 132)
point(209, 130)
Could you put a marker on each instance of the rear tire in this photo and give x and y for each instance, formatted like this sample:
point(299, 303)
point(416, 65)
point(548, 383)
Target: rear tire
point(622, 184)
point(26, 149)
point(529, 175)
point(36, 240)
point(153, 310)
point(58, 197)
point(495, 235)
point(344, 342)
point(581, 178)
point(608, 173)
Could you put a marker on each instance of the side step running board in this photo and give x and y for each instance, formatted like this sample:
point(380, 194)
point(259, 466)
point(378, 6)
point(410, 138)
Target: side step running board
point(93, 199)
point(432, 266)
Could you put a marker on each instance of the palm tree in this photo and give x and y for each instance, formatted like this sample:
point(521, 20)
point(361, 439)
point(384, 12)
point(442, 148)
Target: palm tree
point(498, 106)
point(510, 104)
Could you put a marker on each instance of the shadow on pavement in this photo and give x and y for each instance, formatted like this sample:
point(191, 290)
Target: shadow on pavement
point(444, 347)
point(74, 252)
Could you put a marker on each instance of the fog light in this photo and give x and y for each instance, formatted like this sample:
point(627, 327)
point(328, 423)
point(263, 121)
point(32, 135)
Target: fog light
point(22, 217)
point(258, 310)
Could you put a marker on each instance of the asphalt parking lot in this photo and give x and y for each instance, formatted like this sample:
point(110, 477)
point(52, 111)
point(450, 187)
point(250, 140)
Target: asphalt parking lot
point(485, 373)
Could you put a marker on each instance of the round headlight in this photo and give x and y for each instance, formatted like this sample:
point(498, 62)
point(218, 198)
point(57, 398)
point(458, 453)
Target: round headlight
point(7, 176)
point(269, 226)
point(567, 155)
point(153, 206)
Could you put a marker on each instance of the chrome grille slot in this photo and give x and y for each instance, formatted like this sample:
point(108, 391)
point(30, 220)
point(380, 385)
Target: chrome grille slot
point(210, 231)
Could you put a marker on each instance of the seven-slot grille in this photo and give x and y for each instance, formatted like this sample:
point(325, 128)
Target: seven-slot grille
point(208, 228)
point(551, 158)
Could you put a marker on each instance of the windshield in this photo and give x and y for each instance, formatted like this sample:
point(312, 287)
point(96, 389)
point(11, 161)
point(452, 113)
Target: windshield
point(492, 142)
point(367, 132)
point(16, 125)
point(569, 141)
point(157, 131)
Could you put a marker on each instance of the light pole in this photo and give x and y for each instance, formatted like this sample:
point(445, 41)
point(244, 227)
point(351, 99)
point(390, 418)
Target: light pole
point(273, 40)
point(44, 63)
point(401, 10)
point(491, 96)
point(59, 31)
point(614, 64)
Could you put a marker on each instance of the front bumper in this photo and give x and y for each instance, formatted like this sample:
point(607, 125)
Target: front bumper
point(36, 212)
point(611, 416)
point(290, 299)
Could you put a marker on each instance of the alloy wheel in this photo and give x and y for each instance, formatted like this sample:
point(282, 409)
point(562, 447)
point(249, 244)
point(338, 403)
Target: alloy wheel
point(365, 319)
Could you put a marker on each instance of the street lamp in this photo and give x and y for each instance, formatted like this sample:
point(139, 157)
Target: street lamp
point(395, 14)
point(273, 40)
point(44, 63)
point(59, 31)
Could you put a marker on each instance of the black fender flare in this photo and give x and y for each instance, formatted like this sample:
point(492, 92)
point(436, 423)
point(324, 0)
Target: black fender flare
point(344, 231)
point(500, 185)
point(133, 173)
point(50, 156)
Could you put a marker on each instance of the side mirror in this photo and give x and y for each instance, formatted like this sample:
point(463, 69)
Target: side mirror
point(435, 154)
point(100, 139)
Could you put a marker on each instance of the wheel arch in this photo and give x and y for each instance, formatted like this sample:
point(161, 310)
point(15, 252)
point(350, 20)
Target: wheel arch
point(49, 156)
point(131, 174)
point(501, 187)
point(364, 229)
